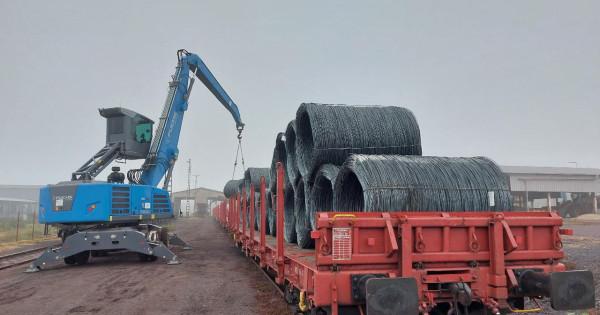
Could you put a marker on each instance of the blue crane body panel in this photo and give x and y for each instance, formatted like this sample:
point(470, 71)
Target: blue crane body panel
point(101, 202)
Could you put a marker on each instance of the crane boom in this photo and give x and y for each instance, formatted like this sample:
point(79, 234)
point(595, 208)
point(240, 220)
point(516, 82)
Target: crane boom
point(163, 151)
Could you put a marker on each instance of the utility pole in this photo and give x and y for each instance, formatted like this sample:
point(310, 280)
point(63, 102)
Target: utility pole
point(187, 204)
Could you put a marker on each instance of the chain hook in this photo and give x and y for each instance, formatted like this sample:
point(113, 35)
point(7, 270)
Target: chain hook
point(239, 151)
point(240, 128)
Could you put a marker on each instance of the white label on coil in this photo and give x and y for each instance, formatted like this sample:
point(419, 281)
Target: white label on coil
point(491, 199)
point(342, 244)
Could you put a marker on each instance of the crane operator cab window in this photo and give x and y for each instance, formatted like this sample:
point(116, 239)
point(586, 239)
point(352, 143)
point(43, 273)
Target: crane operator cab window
point(143, 132)
point(132, 130)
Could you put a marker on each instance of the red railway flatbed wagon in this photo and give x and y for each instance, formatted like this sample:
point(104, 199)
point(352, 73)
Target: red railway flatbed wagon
point(415, 262)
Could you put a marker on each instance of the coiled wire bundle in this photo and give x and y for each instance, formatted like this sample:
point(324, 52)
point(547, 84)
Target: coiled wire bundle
point(242, 186)
point(415, 183)
point(330, 133)
point(289, 220)
point(301, 215)
point(271, 218)
point(279, 155)
point(379, 150)
point(257, 211)
point(232, 187)
point(241, 189)
point(321, 194)
point(291, 166)
point(252, 176)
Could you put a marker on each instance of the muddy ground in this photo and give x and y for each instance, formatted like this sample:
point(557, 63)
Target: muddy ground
point(214, 278)
point(583, 250)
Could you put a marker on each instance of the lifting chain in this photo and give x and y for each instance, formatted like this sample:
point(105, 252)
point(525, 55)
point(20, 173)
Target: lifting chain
point(239, 153)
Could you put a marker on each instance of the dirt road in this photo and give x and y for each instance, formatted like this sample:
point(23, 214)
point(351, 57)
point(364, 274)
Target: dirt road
point(214, 278)
point(583, 250)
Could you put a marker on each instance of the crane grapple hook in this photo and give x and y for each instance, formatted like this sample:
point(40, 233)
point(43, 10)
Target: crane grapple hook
point(240, 128)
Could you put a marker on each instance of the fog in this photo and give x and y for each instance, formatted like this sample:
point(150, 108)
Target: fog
point(517, 81)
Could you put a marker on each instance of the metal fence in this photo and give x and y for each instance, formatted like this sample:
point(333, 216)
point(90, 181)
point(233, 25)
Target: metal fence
point(23, 225)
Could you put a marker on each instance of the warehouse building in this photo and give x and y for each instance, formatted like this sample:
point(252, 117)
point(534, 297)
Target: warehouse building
point(568, 190)
point(200, 200)
point(10, 207)
point(25, 192)
point(16, 199)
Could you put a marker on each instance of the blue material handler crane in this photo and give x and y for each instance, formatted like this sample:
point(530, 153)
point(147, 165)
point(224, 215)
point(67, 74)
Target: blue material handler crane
point(96, 217)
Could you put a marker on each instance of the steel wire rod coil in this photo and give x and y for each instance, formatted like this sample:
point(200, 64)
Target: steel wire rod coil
point(301, 214)
point(291, 166)
point(271, 218)
point(257, 218)
point(241, 189)
point(232, 187)
point(329, 133)
point(289, 220)
point(252, 176)
point(257, 211)
point(279, 155)
point(321, 194)
point(245, 187)
point(415, 183)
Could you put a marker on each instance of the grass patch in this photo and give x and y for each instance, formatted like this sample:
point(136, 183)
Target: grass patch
point(27, 231)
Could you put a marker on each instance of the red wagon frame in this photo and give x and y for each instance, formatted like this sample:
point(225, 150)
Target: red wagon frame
point(487, 251)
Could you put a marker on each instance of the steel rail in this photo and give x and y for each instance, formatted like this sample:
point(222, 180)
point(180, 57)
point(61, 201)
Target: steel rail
point(27, 253)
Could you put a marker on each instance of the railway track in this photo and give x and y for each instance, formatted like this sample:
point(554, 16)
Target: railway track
point(22, 257)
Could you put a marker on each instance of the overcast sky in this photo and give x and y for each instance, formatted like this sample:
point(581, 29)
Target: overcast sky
point(517, 81)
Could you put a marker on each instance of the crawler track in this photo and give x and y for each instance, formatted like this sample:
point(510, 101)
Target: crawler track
point(22, 257)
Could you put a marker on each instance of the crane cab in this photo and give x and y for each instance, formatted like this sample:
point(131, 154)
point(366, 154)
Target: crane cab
point(130, 128)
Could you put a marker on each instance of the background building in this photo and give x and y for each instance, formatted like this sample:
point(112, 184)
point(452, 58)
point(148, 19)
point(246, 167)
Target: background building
point(571, 191)
point(27, 192)
point(18, 198)
point(202, 198)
